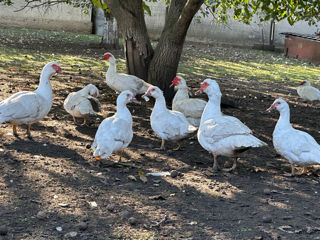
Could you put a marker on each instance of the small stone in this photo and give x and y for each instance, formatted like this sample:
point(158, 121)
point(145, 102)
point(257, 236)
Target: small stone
point(174, 173)
point(59, 229)
point(132, 220)
point(71, 234)
point(111, 207)
point(125, 214)
point(267, 191)
point(41, 215)
point(88, 146)
point(3, 230)
point(82, 226)
point(258, 237)
point(267, 218)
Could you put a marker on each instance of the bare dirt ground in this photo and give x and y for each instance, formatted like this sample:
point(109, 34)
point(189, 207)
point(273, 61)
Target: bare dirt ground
point(55, 173)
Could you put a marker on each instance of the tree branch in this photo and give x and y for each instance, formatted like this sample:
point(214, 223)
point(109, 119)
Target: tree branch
point(186, 16)
point(40, 4)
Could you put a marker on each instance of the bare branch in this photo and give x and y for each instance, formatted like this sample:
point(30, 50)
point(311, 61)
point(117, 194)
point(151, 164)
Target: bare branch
point(39, 3)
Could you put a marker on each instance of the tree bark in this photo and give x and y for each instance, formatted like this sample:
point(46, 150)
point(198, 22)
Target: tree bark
point(110, 39)
point(158, 67)
point(164, 64)
point(132, 26)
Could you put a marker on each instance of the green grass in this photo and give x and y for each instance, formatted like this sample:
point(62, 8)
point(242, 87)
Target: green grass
point(247, 64)
point(218, 62)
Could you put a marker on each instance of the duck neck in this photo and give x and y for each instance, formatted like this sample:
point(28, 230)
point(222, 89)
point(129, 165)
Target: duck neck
point(284, 121)
point(160, 105)
point(212, 109)
point(181, 94)
point(123, 112)
point(44, 88)
point(112, 69)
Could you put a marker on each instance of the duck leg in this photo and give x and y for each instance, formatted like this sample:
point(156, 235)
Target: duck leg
point(14, 129)
point(215, 166)
point(293, 170)
point(235, 159)
point(84, 120)
point(120, 155)
point(74, 119)
point(162, 147)
point(28, 131)
point(304, 170)
point(178, 147)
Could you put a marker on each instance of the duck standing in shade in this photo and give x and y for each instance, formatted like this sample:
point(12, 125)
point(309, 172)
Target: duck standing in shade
point(121, 81)
point(167, 124)
point(298, 147)
point(115, 133)
point(220, 134)
point(83, 103)
point(191, 108)
point(307, 92)
point(27, 107)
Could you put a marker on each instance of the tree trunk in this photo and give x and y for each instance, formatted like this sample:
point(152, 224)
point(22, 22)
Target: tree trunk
point(110, 39)
point(164, 64)
point(158, 67)
point(137, 45)
point(106, 27)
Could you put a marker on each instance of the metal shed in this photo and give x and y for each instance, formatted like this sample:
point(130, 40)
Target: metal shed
point(302, 46)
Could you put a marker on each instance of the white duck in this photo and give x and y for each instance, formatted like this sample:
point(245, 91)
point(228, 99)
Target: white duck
point(192, 108)
point(307, 92)
point(220, 134)
point(168, 125)
point(115, 133)
point(27, 107)
point(121, 81)
point(83, 103)
point(296, 146)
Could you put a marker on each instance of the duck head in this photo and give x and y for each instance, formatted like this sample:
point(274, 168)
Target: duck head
point(154, 92)
point(305, 83)
point(178, 82)
point(52, 67)
point(126, 97)
point(92, 90)
point(109, 57)
point(278, 104)
point(210, 87)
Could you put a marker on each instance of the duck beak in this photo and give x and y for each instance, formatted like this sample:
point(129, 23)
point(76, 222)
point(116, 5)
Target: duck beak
point(272, 107)
point(133, 99)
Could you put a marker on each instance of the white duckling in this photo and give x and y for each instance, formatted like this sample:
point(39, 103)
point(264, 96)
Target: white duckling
point(167, 124)
point(83, 103)
point(121, 81)
point(296, 146)
point(27, 107)
point(220, 134)
point(307, 92)
point(191, 108)
point(115, 133)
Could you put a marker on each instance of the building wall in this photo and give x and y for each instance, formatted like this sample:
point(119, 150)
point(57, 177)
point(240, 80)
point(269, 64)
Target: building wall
point(59, 17)
point(207, 31)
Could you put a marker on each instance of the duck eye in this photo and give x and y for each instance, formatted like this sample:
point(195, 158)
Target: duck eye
point(128, 95)
point(152, 89)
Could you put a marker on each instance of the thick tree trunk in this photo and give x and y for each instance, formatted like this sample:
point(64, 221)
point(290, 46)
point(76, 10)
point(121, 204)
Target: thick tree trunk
point(158, 67)
point(137, 45)
point(106, 27)
point(165, 61)
point(110, 39)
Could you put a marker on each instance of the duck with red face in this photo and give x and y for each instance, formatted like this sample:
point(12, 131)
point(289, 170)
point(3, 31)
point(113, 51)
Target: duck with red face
point(191, 108)
point(307, 92)
point(298, 147)
point(220, 134)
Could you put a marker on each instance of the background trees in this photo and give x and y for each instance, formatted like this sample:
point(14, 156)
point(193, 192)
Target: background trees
point(159, 65)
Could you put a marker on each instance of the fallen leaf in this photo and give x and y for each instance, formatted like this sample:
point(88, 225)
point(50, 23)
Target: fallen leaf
point(143, 178)
point(133, 178)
